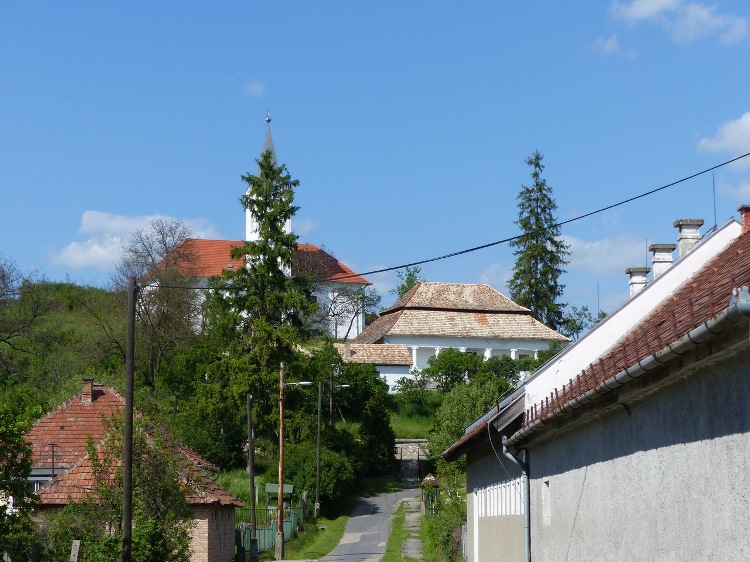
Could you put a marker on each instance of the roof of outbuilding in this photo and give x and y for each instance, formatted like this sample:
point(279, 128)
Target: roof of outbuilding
point(377, 354)
point(69, 427)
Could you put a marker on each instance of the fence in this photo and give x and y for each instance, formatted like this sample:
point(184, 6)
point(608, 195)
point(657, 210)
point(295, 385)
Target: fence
point(265, 528)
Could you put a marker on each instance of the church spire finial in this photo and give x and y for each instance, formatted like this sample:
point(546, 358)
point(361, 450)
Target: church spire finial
point(268, 116)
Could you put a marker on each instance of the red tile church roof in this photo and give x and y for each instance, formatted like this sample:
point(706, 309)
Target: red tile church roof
point(209, 258)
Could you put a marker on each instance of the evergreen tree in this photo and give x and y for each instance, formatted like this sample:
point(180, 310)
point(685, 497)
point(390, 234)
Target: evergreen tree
point(258, 311)
point(540, 253)
point(377, 436)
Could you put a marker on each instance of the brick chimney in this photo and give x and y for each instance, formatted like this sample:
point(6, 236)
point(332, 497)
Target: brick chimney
point(87, 397)
point(689, 234)
point(661, 257)
point(638, 279)
point(744, 217)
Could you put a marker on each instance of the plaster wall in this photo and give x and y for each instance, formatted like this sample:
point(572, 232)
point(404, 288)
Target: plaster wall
point(492, 538)
point(664, 476)
point(391, 374)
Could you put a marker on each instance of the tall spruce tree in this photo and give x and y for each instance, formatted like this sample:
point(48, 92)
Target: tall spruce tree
point(260, 309)
point(541, 255)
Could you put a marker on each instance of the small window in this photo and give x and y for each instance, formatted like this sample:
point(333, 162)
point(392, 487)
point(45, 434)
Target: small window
point(523, 356)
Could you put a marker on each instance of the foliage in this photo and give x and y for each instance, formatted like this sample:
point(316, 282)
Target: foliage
point(377, 437)
point(540, 252)
point(168, 314)
point(579, 320)
point(452, 367)
point(337, 477)
point(161, 516)
point(461, 406)
point(16, 498)
point(413, 388)
point(409, 277)
point(442, 531)
point(410, 419)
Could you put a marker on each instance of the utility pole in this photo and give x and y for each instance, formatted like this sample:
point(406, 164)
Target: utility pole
point(127, 461)
point(317, 457)
point(251, 473)
point(279, 547)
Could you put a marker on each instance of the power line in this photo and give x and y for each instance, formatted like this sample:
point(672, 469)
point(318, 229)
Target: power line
point(562, 223)
point(511, 238)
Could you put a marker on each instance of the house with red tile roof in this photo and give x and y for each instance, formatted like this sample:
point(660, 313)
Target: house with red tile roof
point(473, 318)
point(62, 469)
point(341, 312)
point(642, 453)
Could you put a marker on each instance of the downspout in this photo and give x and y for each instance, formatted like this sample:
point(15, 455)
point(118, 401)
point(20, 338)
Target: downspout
point(738, 310)
point(524, 466)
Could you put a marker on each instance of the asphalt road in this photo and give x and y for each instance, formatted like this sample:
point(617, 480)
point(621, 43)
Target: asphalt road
point(368, 528)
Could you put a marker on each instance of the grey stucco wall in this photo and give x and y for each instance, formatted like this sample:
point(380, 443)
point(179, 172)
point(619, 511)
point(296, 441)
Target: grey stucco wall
point(496, 538)
point(664, 477)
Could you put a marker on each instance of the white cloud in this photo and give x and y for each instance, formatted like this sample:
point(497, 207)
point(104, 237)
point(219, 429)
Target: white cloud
point(732, 137)
point(106, 233)
point(255, 89)
point(639, 10)
point(739, 192)
point(497, 275)
point(305, 226)
point(611, 46)
point(611, 256)
point(684, 21)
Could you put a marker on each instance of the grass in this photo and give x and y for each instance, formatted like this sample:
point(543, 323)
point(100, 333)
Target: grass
point(398, 535)
point(318, 539)
point(410, 421)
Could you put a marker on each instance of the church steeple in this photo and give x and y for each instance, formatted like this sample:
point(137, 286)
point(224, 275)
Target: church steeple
point(268, 141)
point(251, 228)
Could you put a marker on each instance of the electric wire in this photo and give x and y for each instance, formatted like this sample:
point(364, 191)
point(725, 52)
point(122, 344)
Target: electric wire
point(497, 242)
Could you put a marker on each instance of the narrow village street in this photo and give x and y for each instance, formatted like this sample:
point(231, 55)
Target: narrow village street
point(370, 521)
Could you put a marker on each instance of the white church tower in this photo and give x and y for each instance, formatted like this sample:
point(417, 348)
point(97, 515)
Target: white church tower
point(251, 227)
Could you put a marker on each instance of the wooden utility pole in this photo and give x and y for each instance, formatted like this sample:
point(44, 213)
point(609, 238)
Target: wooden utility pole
point(279, 547)
point(317, 457)
point(127, 461)
point(251, 473)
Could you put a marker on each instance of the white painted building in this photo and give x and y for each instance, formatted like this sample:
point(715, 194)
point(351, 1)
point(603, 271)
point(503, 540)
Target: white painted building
point(472, 318)
point(497, 534)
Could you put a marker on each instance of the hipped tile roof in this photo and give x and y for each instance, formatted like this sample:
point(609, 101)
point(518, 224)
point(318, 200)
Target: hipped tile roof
point(456, 310)
point(377, 354)
point(69, 427)
point(702, 297)
point(209, 258)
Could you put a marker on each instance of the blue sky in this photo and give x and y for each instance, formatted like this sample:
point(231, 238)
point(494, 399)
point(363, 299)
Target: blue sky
point(407, 124)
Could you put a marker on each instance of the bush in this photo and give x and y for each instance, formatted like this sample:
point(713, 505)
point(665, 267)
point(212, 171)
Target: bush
point(442, 532)
point(337, 478)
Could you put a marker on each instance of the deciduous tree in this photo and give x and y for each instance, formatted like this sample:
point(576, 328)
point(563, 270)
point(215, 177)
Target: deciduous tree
point(409, 277)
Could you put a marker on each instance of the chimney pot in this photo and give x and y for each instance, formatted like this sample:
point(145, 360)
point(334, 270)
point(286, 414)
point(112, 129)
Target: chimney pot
point(638, 279)
point(745, 216)
point(87, 397)
point(661, 258)
point(689, 234)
